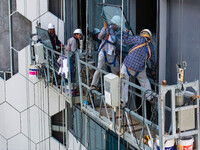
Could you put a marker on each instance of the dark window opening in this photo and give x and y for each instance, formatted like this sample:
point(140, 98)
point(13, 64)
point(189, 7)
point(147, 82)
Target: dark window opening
point(56, 8)
point(146, 15)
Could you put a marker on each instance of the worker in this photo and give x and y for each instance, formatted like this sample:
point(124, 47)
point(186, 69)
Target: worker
point(107, 49)
point(72, 45)
point(95, 34)
point(73, 41)
point(134, 63)
point(53, 37)
point(93, 41)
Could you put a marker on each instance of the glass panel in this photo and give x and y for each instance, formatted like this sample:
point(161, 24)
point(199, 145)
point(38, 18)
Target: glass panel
point(43, 35)
point(108, 12)
point(118, 2)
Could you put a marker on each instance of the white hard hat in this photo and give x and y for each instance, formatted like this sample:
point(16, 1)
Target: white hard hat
point(96, 30)
point(51, 26)
point(116, 20)
point(78, 31)
point(146, 30)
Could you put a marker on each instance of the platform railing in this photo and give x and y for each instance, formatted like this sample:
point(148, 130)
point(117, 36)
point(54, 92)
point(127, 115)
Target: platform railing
point(95, 110)
point(48, 71)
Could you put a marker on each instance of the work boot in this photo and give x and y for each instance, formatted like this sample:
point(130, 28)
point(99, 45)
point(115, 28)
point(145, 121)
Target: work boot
point(92, 87)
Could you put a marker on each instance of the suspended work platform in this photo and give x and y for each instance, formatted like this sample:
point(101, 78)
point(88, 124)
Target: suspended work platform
point(170, 106)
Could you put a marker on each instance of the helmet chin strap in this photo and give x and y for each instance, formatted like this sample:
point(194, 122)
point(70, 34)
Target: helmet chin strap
point(146, 35)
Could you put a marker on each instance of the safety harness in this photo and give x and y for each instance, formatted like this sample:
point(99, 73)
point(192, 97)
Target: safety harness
point(148, 51)
point(104, 52)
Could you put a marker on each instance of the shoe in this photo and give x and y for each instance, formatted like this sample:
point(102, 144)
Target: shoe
point(92, 87)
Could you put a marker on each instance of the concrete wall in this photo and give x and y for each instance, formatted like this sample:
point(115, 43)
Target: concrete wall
point(183, 38)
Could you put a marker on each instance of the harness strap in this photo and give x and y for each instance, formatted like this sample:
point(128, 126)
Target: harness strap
point(102, 45)
point(127, 70)
point(141, 45)
point(148, 51)
point(114, 64)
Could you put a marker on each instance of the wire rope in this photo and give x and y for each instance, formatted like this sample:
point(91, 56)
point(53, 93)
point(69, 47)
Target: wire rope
point(122, 3)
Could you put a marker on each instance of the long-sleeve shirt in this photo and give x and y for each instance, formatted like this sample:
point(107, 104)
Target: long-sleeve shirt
point(137, 58)
point(71, 44)
point(109, 48)
point(54, 41)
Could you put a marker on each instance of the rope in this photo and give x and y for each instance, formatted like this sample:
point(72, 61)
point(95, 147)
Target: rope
point(120, 67)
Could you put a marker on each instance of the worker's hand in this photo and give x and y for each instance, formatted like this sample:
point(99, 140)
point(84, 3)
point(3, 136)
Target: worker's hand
point(61, 45)
point(105, 25)
point(128, 27)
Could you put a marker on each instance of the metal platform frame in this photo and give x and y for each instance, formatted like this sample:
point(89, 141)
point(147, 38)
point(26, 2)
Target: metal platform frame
point(110, 122)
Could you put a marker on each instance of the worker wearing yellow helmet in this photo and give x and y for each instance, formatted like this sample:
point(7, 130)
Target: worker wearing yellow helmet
point(135, 62)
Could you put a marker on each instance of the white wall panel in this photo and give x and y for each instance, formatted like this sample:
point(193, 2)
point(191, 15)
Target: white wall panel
point(74, 144)
point(51, 18)
point(41, 99)
point(10, 121)
point(35, 124)
point(53, 143)
point(2, 91)
point(20, 142)
point(3, 145)
point(19, 92)
point(24, 63)
point(54, 101)
point(24, 60)
point(20, 5)
point(62, 102)
point(32, 9)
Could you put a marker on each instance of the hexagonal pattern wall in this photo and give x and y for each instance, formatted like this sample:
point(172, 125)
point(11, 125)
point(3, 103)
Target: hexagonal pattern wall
point(3, 144)
point(22, 28)
point(50, 143)
point(2, 89)
point(10, 121)
point(35, 124)
point(20, 142)
point(51, 18)
point(19, 92)
point(32, 9)
point(25, 103)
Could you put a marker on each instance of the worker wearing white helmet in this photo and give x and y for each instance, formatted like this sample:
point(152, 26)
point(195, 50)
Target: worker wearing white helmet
point(72, 45)
point(107, 49)
point(135, 62)
point(72, 42)
point(53, 37)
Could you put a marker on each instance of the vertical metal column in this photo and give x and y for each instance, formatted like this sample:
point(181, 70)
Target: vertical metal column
point(66, 127)
point(161, 118)
point(11, 37)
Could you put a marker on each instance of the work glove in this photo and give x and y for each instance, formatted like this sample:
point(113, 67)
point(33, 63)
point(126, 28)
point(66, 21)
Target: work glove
point(105, 25)
point(128, 27)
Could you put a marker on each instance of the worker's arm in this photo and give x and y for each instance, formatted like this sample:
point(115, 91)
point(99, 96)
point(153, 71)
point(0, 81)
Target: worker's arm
point(58, 43)
point(152, 59)
point(128, 39)
point(103, 32)
point(73, 45)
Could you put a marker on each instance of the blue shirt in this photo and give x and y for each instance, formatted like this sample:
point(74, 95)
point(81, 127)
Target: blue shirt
point(137, 58)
